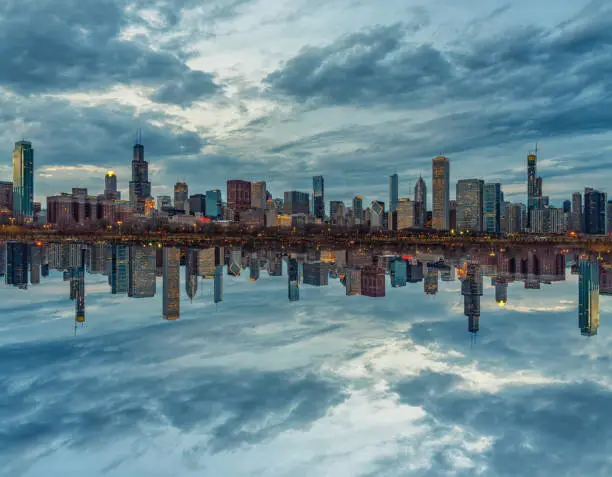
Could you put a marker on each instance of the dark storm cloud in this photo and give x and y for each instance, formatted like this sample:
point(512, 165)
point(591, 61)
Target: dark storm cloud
point(231, 408)
point(381, 66)
point(539, 430)
point(66, 134)
point(56, 46)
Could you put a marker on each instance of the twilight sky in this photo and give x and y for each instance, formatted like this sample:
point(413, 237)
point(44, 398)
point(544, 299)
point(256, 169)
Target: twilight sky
point(280, 90)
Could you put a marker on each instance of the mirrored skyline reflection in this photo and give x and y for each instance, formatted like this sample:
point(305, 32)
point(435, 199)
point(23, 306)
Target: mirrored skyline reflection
point(318, 362)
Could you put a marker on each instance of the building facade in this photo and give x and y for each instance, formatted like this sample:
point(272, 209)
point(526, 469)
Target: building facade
point(239, 195)
point(492, 207)
point(470, 205)
point(318, 197)
point(296, 202)
point(441, 196)
point(595, 211)
point(393, 192)
point(140, 186)
point(181, 193)
point(23, 181)
point(420, 203)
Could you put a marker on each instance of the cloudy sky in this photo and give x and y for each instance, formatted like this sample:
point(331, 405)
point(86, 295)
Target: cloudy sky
point(279, 90)
point(330, 386)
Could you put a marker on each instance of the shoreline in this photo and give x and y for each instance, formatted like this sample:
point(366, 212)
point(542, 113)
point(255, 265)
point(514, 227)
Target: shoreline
point(601, 243)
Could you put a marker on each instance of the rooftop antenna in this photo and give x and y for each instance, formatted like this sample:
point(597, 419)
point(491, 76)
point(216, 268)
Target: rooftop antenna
point(536, 149)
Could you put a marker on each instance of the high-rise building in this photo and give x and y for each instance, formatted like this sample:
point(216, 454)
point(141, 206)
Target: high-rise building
point(142, 271)
point(23, 181)
point(258, 195)
point(293, 279)
point(206, 263)
point(609, 217)
point(567, 206)
point(393, 192)
point(35, 264)
point(6, 198)
point(492, 207)
point(318, 197)
point(405, 214)
point(514, 218)
point(191, 272)
point(588, 297)
point(358, 209)
point(181, 192)
point(197, 204)
point(373, 282)
point(595, 209)
point(239, 195)
point(377, 211)
point(140, 187)
point(472, 290)
point(398, 272)
point(110, 186)
point(420, 203)
point(17, 264)
point(452, 214)
point(335, 207)
point(470, 205)
point(296, 202)
point(218, 284)
point(213, 204)
point(532, 160)
point(441, 193)
point(164, 202)
point(316, 274)
point(171, 283)
point(119, 278)
point(576, 216)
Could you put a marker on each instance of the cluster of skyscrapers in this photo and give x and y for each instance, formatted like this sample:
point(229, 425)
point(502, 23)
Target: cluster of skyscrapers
point(478, 207)
point(134, 270)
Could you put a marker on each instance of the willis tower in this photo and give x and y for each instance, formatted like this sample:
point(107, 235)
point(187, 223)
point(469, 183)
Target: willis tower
point(140, 186)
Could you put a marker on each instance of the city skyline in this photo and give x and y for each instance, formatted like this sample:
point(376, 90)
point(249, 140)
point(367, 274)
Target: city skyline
point(255, 117)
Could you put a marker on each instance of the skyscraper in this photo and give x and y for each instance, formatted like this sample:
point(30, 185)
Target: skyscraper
point(588, 297)
point(218, 284)
point(470, 205)
point(609, 217)
point(213, 204)
point(420, 203)
point(171, 281)
point(318, 197)
point(238, 195)
point(335, 207)
point(393, 192)
point(142, 271)
point(6, 198)
point(595, 205)
point(405, 214)
point(140, 187)
point(358, 209)
point(293, 280)
point(576, 216)
point(110, 186)
point(531, 181)
point(181, 192)
point(472, 290)
point(296, 202)
point(492, 207)
point(258, 195)
point(441, 196)
point(514, 218)
point(164, 202)
point(23, 181)
point(377, 211)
